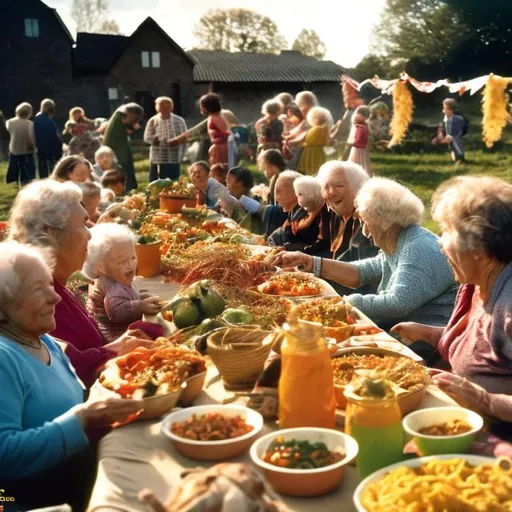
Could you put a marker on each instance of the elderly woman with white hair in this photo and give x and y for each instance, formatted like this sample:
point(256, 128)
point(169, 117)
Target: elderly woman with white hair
point(415, 281)
point(50, 214)
point(111, 262)
point(301, 198)
point(475, 215)
point(43, 417)
point(160, 129)
point(22, 144)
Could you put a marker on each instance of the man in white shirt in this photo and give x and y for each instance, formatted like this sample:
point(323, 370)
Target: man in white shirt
point(165, 159)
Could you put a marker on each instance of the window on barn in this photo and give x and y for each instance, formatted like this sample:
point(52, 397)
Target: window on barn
point(31, 28)
point(155, 59)
point(113, 93)
point(145, 60)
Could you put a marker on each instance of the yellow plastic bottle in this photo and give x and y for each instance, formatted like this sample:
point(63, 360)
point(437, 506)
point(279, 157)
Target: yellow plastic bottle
point(306, 389)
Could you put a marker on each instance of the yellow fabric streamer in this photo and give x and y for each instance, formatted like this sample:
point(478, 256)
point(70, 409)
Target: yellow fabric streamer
point(495, 109)
point(402, 113)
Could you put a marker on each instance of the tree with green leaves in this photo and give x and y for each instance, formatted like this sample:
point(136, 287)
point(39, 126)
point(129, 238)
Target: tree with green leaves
point(93, 16)
point(238, 30)
point(308, 42)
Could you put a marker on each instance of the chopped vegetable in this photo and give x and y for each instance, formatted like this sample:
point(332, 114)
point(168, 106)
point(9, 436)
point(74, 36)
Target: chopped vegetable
point(211, 427)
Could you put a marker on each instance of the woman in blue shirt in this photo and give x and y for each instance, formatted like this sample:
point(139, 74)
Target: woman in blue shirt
point(415, 281)
point(43, 420)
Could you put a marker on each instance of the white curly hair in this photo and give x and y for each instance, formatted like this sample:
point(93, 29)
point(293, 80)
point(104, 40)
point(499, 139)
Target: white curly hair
point(354, 173)
point(310, 189)
point(321, 114)
point(103, 238)
point(10, 278)
point(388, 203)
point(39, 206)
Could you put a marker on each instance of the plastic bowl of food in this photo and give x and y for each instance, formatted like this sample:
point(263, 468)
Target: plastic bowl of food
point(305, 482)
point(362, 499)
point(408, 401)
point(441, 430)
point(212, 449)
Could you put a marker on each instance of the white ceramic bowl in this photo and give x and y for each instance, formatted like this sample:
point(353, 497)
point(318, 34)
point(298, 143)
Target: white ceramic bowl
point(474, 460)
point(213, 450)
point(436, 445)
point(306, 482)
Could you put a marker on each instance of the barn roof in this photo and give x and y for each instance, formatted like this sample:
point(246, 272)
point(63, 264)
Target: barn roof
point(288, 66)
point(98, 52)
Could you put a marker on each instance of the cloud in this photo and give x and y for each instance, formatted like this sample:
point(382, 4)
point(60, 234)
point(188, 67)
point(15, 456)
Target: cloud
point(345, 26)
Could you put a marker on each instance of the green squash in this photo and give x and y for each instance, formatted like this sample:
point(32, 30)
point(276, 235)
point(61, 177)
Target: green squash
point(211, 302)
point(186, 314)
point(237, 316)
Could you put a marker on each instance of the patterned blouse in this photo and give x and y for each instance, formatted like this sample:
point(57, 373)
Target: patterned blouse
point(163, 130)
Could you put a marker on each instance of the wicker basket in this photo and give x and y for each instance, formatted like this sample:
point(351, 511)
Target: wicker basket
point(239, 354)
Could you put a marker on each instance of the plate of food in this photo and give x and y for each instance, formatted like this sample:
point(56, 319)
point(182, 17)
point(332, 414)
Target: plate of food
point(157, 376)
point(335, 314)
point(305, 461)
point(212, 432)
point(294, 285)
point(409, 378)
point(440, 482)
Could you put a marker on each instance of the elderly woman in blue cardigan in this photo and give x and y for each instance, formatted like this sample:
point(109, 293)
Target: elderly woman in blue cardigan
point(44, 445)
point(415, 281)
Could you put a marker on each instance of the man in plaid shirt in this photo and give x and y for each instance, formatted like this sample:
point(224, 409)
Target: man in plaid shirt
point(165, 159)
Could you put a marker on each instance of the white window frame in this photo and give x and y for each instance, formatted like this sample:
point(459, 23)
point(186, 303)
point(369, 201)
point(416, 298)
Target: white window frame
point(145, 59)
point(32, 28)
point(155, 59)
point(113, 93)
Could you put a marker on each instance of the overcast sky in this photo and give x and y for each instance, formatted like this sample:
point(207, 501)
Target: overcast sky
point(345, 26)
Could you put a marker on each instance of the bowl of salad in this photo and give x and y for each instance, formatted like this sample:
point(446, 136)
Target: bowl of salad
point(304, 462)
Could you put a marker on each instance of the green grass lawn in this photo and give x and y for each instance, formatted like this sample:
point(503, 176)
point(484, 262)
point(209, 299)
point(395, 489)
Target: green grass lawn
point(423, 173)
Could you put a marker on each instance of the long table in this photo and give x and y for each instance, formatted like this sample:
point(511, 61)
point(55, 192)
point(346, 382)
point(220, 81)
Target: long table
point(138, 456)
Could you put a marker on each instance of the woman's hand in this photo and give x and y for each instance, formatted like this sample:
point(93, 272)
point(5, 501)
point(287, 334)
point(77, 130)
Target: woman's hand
point(151, 305)
point(128, 343)
point(103, 413)
point(290, 260)
point(463, 391)
point(409, 332)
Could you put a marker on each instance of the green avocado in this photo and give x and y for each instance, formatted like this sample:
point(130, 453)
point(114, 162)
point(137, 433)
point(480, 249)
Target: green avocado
point(186, 314)
point(237, 316)
point(211, 302)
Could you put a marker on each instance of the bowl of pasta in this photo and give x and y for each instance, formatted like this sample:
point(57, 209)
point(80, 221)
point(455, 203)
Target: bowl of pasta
point(441, 482)
point(212, 432)
point(439, 430)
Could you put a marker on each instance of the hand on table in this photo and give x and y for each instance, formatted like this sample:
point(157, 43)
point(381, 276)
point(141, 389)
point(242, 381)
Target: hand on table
point(409, 332)
point(129, 341)
point(290, 260)
point(101, 413)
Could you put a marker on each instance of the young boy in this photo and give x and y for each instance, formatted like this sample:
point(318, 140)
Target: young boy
point(91, 197)
point(112, 188)
point(452, 130)
point(219, 172)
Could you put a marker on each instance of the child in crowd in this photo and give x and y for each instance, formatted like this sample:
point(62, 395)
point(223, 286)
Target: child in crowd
point(239, 182)
point(114, 301)
point(73, 168)
point(105, 161)
point(317, 138)
point(219, 172)
point(359, 138)
point(270, 128)
point(91, 198)
point(452, 130)
point(112, 188)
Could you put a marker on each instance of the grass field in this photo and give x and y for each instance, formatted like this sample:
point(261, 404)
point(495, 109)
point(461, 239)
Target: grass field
point(423, 173)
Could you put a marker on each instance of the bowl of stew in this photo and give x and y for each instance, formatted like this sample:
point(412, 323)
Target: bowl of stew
point(304, 462)
point(212, 432)
point(441, 430)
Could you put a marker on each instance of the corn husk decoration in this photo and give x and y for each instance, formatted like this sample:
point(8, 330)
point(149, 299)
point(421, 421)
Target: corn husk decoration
point(402, 113)
point(495, 109)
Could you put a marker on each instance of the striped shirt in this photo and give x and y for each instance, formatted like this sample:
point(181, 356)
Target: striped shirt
point(161, 130)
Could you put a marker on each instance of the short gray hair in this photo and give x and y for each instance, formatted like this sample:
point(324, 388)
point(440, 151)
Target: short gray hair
point(289, 176)
point(479, 210)
point(320, 113)
point(388, 203)
point(164, 99)
point(354, 173)
point(48, 105)
point(105, 150)
point(285, 98)
point(10, 254)
point(103, 238)
point(306, 97)
point(90, 189)
point(132, 108)
point(271, 107)
point(39, 206)
point(24, 110)
point(311, 189)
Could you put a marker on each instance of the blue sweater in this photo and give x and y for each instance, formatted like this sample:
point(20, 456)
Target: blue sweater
point(48, 142)
point(37, 431)
point(416, 283)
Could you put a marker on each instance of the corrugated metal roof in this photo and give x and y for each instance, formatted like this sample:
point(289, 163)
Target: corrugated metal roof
point(289, 66)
